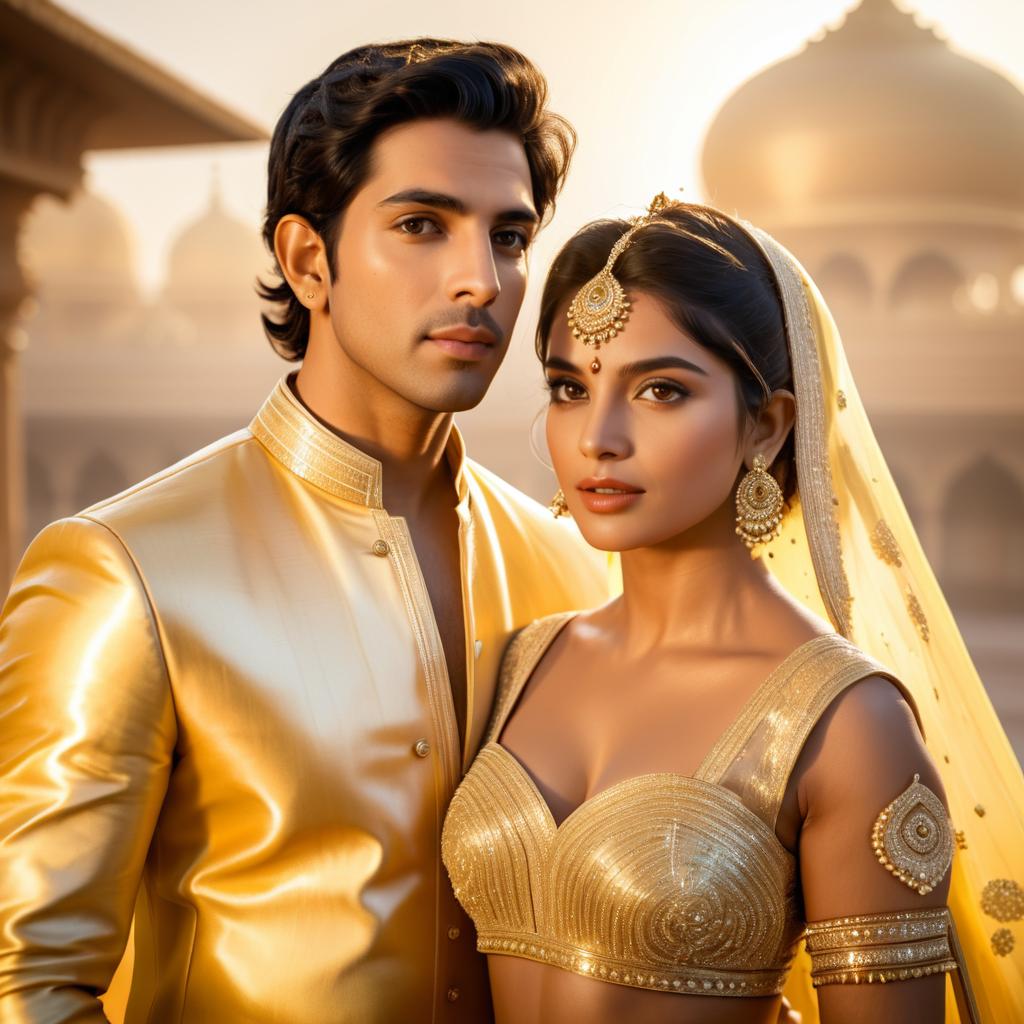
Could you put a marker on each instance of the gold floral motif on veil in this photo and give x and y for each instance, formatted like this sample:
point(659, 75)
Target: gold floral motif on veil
point(884, 543)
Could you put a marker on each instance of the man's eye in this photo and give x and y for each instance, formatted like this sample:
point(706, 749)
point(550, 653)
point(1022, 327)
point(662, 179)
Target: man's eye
point(417, 226)
point(511, 239)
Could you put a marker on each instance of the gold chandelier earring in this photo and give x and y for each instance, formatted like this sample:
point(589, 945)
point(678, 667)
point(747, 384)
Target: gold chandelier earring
point(559, 506)
point(759, 504)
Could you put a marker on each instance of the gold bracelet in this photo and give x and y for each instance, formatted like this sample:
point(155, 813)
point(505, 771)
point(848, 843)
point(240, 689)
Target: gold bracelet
point(880, 947)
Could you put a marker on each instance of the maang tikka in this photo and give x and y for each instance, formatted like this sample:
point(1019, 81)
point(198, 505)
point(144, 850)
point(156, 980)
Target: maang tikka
point(600, 308)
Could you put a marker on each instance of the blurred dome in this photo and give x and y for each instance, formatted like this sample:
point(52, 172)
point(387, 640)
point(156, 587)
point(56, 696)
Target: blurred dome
point(878, 108)
point(80, 251)
point(215, 261)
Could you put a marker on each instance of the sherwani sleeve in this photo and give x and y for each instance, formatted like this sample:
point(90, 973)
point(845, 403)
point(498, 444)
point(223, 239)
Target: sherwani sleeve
point(87, 734)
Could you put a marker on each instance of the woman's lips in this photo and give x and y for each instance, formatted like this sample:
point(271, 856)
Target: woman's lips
point(605, 496)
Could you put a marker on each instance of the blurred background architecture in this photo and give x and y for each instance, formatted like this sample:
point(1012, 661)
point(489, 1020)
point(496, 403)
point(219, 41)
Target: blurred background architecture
point(889, 162)
point(894, 168)
point(66, 89)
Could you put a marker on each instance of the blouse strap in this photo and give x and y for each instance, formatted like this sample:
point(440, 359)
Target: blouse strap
point(756, 756)
point(521, 657)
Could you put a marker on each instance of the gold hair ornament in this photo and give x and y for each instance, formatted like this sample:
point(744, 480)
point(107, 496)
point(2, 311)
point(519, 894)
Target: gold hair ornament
point(600, 308)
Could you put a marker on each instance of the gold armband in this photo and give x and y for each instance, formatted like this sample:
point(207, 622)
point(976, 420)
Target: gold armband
point(880, 947)
point(913, 839)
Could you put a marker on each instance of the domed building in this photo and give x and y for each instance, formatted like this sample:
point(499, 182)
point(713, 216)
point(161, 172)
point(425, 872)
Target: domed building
point(212, 272)
point(82, 255)
point(116, 388)
point(892, 166)
point(879, 113)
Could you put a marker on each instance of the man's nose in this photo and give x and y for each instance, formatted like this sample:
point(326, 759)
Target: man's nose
point(474, 274)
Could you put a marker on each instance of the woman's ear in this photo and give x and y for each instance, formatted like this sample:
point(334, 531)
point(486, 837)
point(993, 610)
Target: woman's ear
point(302, 257)
point(771, 428)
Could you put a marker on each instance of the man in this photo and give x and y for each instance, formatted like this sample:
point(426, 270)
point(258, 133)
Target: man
point(236, 699)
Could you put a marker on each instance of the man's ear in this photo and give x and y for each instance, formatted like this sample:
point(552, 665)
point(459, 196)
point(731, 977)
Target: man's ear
point(772, 427)
point(302, 256)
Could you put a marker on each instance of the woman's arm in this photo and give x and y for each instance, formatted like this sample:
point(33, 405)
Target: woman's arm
point(863, 755)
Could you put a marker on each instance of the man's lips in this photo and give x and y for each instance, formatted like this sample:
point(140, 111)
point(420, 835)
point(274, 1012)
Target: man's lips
point(463, 342)
point(605, 495)
point(477, 335)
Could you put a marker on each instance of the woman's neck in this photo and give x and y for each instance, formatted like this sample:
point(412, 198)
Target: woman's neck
point(699, 589)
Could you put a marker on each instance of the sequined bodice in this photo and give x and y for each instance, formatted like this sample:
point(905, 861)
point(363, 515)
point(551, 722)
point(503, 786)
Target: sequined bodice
point(662, 881)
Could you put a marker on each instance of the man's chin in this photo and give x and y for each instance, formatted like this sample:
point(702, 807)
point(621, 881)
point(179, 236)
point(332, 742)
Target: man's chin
point(451, 399)
point(455, 387)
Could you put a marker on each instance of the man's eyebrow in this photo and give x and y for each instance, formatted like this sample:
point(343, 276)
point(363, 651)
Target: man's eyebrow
point(520, 215)
point(424, 197)
point(452, 204)
point(660, 363)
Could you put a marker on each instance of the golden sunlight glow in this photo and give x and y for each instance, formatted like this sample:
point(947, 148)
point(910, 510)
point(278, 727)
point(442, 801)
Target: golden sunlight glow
point(650, 85)
point(1017, 285)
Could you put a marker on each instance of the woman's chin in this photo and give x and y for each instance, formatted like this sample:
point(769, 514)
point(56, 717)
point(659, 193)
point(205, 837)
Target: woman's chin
point(615, 536)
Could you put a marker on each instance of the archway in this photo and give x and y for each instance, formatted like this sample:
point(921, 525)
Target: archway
point(927, 284)
point(983, 545)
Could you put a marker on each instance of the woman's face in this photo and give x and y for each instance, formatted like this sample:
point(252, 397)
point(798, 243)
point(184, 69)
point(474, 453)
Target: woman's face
point(649, 447)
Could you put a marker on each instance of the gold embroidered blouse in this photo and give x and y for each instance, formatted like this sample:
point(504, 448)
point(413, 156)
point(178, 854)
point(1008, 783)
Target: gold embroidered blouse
point(663, 881)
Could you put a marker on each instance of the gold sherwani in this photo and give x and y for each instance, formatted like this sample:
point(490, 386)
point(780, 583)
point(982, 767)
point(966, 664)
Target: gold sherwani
point(224, 709)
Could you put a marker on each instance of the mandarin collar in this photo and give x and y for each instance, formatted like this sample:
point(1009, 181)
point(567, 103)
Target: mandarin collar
point(314, 452)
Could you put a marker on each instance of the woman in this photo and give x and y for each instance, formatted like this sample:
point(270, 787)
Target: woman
point(674, 785)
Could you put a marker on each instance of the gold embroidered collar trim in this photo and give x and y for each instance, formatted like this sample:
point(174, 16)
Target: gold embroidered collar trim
point(314, 452)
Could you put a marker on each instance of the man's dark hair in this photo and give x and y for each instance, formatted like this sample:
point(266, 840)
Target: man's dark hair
point(320, 151)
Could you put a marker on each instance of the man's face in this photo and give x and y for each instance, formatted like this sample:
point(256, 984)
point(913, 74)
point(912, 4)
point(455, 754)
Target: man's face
point(431, 261)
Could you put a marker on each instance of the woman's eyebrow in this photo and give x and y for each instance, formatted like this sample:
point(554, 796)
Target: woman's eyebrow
point(555, 363)
point(660, 363)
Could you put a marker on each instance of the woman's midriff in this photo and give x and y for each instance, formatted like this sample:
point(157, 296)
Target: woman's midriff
point(526, 992)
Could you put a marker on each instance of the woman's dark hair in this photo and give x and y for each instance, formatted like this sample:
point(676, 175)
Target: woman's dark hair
point(320, 151)
point(709, 277)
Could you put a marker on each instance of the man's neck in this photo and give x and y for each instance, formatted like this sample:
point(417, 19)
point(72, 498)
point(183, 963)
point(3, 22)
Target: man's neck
point(408, 441)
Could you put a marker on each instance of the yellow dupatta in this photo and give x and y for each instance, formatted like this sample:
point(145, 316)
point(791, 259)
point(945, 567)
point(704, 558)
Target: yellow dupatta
point(850, 552)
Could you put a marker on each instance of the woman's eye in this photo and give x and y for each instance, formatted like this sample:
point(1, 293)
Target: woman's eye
point(510, 239)
point(663, 392)
point(566, 391)
point(417, 226)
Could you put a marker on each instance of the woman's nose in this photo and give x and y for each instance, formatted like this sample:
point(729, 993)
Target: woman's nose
point(605, 435)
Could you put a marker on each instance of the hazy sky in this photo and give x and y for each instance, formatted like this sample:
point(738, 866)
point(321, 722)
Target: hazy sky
point(640, 81)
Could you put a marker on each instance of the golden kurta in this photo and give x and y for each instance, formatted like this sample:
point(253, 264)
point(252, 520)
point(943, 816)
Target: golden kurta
point(224, 709)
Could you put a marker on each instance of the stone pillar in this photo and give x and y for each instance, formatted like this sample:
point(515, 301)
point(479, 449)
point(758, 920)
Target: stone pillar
point(14, 291)
point(42, 137)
